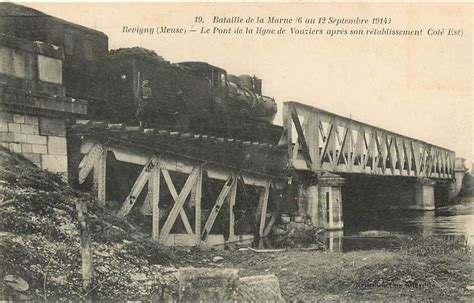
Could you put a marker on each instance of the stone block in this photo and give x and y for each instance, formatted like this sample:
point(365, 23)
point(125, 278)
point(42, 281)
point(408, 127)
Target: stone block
point(39, 149)
point(6, 137)
point(54, 163)
point(51, 126)
point(33, 120)
point(19, 64)
point(35, 158)
point(6, 117)
point(298, 219)
point(265, 288)
point(57, 145)
point(36, 139)
point(18, 118)
point(14, 127)
point(285, 219)
point(4, 144)
point(19, 138)
point(26, 148)
point(49, 69)
point(15, 147)
point(207, 284)
point(3, 126)
point(29, 129)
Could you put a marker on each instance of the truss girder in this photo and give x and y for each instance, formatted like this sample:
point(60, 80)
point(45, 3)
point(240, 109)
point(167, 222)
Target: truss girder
point(323, 141)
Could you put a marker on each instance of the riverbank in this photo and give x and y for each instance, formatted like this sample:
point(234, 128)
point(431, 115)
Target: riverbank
point(427, 269)
point(40, 255)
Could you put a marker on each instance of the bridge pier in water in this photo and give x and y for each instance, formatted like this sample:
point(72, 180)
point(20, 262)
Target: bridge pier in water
point(324, 198)
point(424, 198)
point(320, 200)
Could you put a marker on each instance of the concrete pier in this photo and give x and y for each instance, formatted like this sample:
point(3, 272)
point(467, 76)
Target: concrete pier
point(460, 171)
point(320, 201)
point(424, 195)
point(330, 201)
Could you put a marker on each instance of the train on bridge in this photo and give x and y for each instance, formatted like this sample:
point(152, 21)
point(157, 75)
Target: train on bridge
point(187, 96)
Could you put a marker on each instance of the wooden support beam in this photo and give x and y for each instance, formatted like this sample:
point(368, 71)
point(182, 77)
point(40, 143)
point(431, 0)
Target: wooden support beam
point(146, 208)
point(179, 202)
point(264, 203)
point(174, 194)
point(138, 186)
point(184, 165)
point(88, 162)
point(86, 247)
point(269, 226)
point(217, 206)
point(232, 197)
point(100, 179)
point(196, 196)
point(154, 196)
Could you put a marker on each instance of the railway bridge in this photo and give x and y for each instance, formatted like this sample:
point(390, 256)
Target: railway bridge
point(195, 189)
point(200, 189)
point(325, 150)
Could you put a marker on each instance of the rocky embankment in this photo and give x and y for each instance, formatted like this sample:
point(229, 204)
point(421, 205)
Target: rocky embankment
point(40, 242)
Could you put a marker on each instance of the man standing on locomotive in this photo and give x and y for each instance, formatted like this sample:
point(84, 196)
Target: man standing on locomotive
point(143, 103)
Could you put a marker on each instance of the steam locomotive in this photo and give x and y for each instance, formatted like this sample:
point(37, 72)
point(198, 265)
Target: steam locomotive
point(188, 96)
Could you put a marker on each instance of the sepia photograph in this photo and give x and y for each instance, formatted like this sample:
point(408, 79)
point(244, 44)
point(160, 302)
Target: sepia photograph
point(236, 151)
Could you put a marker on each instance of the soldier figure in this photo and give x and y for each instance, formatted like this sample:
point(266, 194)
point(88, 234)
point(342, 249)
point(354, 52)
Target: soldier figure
point(143, 103)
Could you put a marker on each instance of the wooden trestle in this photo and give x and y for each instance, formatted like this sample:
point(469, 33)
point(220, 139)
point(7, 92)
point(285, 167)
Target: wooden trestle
point(157, 166)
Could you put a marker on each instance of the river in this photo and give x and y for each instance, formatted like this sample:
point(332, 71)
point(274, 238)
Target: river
point(373, 230)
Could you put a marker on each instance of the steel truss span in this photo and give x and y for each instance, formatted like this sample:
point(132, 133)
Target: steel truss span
point(318, 140)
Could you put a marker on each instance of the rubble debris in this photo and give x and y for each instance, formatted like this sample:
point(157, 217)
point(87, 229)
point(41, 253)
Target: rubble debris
point(220, 285)
point(265, 288)
point(207, 284)
point(17, 283)
point(296, 233)
point(217, 259)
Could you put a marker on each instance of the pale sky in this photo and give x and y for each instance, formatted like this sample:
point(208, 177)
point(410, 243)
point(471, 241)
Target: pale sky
point(421, 87)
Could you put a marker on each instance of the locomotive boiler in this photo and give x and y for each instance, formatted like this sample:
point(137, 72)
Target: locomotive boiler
point(186, 96)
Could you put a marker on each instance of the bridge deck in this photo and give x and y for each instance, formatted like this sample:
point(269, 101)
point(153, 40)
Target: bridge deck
point(328, 142)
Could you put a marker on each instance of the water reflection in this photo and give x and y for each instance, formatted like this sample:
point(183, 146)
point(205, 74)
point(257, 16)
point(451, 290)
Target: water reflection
point(377, 230)
point(333, 240)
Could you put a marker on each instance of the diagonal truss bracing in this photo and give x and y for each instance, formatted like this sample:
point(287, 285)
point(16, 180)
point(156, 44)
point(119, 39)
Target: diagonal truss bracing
point(318, 140)
point(186, 198)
